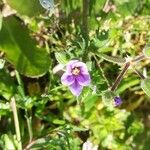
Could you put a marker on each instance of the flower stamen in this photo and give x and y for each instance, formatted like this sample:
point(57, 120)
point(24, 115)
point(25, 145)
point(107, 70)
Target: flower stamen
point(76, 71)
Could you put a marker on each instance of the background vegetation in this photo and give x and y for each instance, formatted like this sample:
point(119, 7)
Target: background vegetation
point(101, 33)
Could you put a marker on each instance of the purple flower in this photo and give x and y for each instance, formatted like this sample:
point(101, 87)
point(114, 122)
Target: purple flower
point(76, 76)
point(118, 101)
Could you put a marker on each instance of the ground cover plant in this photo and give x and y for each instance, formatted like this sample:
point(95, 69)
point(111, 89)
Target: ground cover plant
point(74, 74)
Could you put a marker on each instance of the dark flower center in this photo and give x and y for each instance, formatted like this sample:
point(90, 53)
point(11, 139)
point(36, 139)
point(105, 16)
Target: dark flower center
point(76, 71)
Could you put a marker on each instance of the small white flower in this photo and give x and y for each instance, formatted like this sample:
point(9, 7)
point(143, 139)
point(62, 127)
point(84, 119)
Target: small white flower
point(89, 146)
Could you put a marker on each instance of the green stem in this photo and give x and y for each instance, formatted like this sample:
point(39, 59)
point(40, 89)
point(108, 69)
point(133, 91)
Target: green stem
point(85, 17)
point(85, 27)
point(102, 71)
point(29, 119)
point(16, 122)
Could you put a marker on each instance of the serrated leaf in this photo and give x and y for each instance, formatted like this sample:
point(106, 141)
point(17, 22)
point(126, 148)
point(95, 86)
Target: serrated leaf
point(112, 59)
point(21, 49)
point(145, 85)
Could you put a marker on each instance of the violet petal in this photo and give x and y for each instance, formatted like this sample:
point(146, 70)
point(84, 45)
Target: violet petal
point(69, 66)
point(76, 88)
point(67, 79)
point(83, 79)
point(82, 66)
point(118, 101)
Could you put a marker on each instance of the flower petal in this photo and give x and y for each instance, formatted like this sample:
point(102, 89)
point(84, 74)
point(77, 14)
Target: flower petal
point(82, 66)
point(118, 101)
point(76, 88)
point(69, 66)
point(67, 79)
point(83, 79)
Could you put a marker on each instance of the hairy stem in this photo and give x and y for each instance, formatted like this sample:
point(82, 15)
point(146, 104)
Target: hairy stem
point(139, 58)
point(139, 73)
point(102, 71)
point(16, 122)
point(120, 76)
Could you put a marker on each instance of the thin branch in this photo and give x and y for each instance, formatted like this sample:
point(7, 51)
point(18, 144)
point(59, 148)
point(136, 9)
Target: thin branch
point(120, 76)
point(100, 68)
point(139, 73)
point(139, 58)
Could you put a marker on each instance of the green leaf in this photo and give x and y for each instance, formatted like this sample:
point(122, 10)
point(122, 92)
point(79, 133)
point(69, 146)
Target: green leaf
point(8, 142)
point(135, 128)
point(7, 87)
point(126, 7)
point(112, 59)
point(4, 108)
point(127, 83)
point(21, 49)
point(90, 101)
point(61, 57)
point(26, 7)
point(145, 85)
point(58, 122)
point(146, 51)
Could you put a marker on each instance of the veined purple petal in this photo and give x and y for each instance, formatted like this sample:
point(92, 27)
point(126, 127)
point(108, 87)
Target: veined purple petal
point(76, 88)
point(83, 79)
point(82, 66)
point(69, 66)
point(67, 79)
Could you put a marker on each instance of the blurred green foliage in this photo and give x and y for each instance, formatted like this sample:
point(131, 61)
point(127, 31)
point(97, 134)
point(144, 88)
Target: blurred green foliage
point(101, 33)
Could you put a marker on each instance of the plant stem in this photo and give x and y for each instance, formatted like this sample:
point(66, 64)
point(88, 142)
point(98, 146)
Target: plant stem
point(85, 27)
point(29, 126)
point(139, 58)
point(16, 122)
point(120, 76)
point(28, 119)
point(85, 17)
point(139, 73)
point(102, 71)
